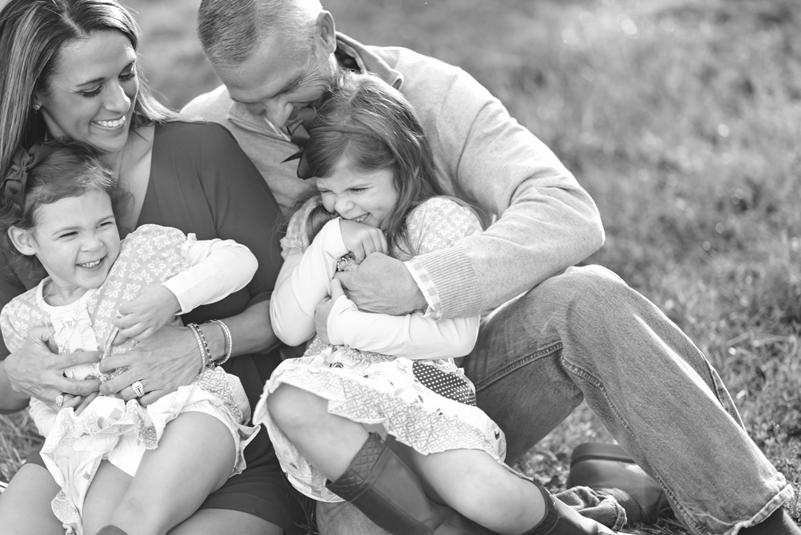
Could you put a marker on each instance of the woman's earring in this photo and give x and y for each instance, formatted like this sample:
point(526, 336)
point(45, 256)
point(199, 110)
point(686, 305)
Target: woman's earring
point(36, 106)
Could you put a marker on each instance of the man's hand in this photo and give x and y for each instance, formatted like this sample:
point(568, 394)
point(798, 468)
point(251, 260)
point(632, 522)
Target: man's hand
point(168, 359)
point(383, 285)
point(323, 310)
point(36, 371)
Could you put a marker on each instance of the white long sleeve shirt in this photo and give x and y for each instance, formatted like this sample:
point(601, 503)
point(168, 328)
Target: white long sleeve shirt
point(305, 280)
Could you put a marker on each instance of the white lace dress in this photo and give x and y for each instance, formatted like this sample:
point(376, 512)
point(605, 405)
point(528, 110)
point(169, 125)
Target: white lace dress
point(109, 428)
point(410, 389)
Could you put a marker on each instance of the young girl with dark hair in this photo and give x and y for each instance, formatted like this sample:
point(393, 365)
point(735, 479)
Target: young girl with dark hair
point(376, 412)
point(58, 211)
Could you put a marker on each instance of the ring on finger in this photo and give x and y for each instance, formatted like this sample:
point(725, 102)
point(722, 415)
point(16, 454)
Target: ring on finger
point(59, 400)
point(138, 388)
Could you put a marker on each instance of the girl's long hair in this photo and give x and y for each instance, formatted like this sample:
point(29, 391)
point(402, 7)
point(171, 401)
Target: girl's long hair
point(71, 170)
point(32, 35)
point(373, 126)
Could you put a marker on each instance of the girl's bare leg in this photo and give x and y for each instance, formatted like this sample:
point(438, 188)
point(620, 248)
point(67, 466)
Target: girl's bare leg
point(477, 486)
point(469, 481)
point(111, 483)
point(194, 458)
point(25, 504)
point(327, 441)
point(104, 495)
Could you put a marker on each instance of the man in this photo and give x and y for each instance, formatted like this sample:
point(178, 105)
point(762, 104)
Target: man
point(555, 334)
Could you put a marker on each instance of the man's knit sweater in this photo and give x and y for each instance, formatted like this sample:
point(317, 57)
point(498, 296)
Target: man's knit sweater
point(537, 219)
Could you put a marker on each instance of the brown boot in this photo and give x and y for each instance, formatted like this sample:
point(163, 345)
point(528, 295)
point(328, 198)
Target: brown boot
point(382, 487)
point(607, 468)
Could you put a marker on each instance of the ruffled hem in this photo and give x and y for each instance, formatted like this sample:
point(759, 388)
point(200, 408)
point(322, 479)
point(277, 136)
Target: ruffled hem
point(109, 428)
point(386, 397)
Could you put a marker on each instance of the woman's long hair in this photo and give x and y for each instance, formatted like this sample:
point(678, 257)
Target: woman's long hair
point(370, 123)
point(32, 35)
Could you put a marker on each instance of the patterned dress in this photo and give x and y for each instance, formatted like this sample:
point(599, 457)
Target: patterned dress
point(109, 428)
point(427, 404)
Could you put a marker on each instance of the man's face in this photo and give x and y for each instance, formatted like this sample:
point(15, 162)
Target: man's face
point(280, 78)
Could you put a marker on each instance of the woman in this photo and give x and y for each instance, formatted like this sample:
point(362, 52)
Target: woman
point(69, 71)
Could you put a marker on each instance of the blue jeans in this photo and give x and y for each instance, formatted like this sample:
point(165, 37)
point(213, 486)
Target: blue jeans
point(585, 335)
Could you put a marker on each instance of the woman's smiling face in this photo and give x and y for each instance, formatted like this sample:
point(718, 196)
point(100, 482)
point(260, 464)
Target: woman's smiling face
point(91, 96)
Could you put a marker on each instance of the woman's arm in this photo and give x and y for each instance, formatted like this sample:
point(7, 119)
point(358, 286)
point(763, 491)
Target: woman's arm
point(171, 357)
point(243, 210)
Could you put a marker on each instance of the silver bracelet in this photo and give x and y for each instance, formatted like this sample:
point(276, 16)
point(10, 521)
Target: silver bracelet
point(229, 341)
point(205, 354)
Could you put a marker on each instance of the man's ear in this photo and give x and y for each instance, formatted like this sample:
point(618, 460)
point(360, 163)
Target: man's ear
point(326, 31)
point(22, 240)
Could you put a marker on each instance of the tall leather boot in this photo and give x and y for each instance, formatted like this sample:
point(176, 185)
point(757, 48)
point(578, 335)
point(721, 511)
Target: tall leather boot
point(607, 468)
point(561, 519)
point(382, 487)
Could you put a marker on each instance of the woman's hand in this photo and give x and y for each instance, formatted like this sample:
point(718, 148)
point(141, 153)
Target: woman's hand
point(323, 310)
point(36, 371)
point(168, 359)
point(362, 240)
point(154, 308)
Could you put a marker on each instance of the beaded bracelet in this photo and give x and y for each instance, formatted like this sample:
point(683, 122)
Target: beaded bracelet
point(205, 354)
point(229, 341)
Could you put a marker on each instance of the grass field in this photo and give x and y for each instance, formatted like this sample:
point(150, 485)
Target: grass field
point(680, 117)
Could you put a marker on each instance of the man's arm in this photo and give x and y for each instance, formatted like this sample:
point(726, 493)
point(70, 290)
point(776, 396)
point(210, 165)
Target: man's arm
point(545, 222)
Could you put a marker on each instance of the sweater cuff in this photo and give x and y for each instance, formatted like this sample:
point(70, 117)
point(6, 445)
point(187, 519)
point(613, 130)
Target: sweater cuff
point(427, 288)
point(455, 281)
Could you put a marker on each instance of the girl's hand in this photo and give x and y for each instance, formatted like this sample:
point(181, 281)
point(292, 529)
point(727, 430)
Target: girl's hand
point(323, 310)
point(168, 359)
point(362, 240)
point(150, 311)
point(36, 371)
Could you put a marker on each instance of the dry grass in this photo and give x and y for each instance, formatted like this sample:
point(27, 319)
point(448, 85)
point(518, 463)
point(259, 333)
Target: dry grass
point(681, 119)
